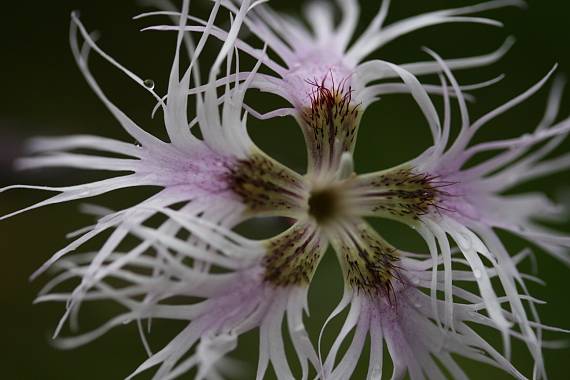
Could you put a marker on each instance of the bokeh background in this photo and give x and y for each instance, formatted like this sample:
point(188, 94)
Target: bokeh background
point(44, 94)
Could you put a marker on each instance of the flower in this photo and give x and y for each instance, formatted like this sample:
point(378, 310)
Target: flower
point(230, 285)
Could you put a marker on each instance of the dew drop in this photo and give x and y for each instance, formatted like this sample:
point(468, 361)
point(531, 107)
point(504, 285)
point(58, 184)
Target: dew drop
point(127, 321)
point(416, 281)
point(477, 273)
point(149, 83)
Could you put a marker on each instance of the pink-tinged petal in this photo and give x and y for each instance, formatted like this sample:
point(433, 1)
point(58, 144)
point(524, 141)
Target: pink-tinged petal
point(440, 187)
point(321, 59)
point(405, 323)
point(389, 304)
point(249, 296)
point(326, 51)
point(224, 170)
point(204, 186)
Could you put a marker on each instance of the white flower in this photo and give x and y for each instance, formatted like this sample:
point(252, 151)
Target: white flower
point(231, 284)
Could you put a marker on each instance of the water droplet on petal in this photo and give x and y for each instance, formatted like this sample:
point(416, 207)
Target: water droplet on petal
point(127, 321)
point(477, 273)
point(149, 83)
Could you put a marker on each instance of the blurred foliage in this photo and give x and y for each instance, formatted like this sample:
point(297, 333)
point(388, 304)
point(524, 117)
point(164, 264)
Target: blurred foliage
point(44, 94)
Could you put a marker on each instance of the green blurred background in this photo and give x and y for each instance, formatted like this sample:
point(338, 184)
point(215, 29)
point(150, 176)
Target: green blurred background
point(43, 93)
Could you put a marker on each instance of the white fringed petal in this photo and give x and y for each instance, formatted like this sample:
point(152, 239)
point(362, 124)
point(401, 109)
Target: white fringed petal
point(467, 201)
point(193, 177)
point(326, 49)
point(185, 170)
point(236, 303)
point(405, 323)
point(239, 299)
point(475, 194)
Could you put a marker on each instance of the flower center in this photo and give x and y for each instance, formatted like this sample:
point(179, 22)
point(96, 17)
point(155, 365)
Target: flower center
point(324, 205)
